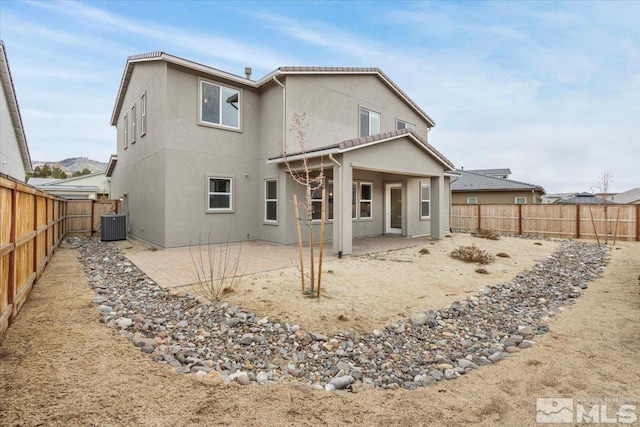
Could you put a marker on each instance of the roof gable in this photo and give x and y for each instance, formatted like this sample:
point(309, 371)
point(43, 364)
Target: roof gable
point(630, 196)
point(367, 141)
point(287, 70)
point(14, 109)
point(471, 181)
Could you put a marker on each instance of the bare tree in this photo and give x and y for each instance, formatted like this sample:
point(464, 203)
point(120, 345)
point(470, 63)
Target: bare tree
point(603, 184)
point(313, 180)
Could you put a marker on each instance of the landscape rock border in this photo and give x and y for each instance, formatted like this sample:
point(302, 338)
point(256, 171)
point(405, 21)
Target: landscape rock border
point(222, 344)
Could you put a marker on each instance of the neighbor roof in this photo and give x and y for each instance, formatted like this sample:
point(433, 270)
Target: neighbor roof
point(162, 56)
point(491, 172)
point(631, 196)
point(471, 181)
point(14, 109)
point(366, 141)
point(582, 199)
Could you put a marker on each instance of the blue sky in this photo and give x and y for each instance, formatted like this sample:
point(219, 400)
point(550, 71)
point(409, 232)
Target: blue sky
point(548, 89)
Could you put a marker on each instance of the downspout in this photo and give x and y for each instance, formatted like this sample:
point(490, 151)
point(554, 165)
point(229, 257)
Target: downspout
point(284, 116)
point(340, 201)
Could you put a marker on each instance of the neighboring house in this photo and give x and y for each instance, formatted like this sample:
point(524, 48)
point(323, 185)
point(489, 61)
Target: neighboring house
point(489, 186)
point(93, 186)
point(582, 199)
point(201, 154)
point(549, 199)
point(630, 197)
point(15, 160)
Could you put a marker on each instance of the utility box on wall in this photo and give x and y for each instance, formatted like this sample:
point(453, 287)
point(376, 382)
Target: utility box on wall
point(113, 227)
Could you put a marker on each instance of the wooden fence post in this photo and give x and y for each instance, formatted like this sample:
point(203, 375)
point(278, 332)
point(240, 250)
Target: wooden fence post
point(520, 220)
point(12, 255)
point(479, 218)
point(577, 221)
point(34, 264)
point(637, 223)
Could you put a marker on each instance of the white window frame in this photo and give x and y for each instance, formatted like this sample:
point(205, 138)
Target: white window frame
point(143, 114)
point(524, 200)
point(267, 200)
point(362, 201)
point(126, 131)
point(472, 200)
point(354, 200)
point(370, 112)
point(133, 124)
point(423, 200)
point(406, 125)
point(210, 193)
point(201, 121)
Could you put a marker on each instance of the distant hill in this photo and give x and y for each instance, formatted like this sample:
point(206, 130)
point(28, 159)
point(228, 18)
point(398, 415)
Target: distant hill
point(74, 164)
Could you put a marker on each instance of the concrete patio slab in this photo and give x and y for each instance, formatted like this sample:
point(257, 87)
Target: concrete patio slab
point(171, 268)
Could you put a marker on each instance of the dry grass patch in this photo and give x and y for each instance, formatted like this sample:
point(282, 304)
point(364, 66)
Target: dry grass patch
point(486, 233)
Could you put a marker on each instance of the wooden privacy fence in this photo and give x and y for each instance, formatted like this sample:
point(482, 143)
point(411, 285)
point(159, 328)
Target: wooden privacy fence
point(31, 227)
point(562, 221)
point(83, 216)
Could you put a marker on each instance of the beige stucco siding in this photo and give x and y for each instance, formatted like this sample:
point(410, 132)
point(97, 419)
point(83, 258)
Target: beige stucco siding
point(10, 157)
point(332, 105)
point(495, 197)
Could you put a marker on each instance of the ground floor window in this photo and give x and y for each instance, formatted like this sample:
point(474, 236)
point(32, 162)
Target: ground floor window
point(271, 200)
point(219, 193)
point(425, 201)
point(366, 200)
point(472, 200)
point(521, 200)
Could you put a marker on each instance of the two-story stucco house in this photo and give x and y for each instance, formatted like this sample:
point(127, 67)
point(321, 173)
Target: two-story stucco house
point(15, 160)
point(200, 149)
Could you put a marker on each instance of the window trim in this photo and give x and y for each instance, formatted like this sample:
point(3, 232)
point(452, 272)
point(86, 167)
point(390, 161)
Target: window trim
point(423, 185)
point(475, 200)
point(143, 114)
point(524, 198)
point(361, 109)
point(369, 201)
point(267, 200)
point(208, 193)
point(126, 131)
point(133, 124)
point(201, 122)
point(398, 121)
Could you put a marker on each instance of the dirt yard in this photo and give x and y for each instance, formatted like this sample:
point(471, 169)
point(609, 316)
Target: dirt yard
point(372, 291)
point(60, 366)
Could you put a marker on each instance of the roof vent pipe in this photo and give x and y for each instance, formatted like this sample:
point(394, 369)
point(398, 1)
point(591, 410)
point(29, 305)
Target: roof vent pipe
point(247, 72)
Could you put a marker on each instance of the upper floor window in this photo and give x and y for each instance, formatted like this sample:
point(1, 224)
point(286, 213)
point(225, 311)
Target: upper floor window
point(405, 125)
point(270, 200)
point(219, 105)
point(369, 122)
point(220, 196)
point(126, 131)
point(425, 201)
point(143, 114)
point(521, 200)
point(133, 124)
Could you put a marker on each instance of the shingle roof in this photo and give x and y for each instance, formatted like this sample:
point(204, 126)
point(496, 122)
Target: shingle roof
point(470, 181)
point(582, 199)
point(630, 196)
point(356, 143)
point(491, 172)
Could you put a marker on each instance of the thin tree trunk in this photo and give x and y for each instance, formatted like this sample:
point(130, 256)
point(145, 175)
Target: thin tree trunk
point(295, 205)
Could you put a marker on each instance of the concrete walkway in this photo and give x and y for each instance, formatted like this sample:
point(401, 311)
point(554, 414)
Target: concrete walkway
point(172, 268)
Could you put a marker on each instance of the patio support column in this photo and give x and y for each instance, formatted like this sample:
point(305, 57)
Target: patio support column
point(342, 181)
point(438, 208)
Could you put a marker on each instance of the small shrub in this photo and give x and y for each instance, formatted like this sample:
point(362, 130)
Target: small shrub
point(486, 233)
point(482, 270)
point(424, 251)
point(503, 255)
point(472, 254)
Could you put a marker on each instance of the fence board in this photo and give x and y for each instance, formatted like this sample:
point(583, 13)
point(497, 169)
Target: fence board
point(564, 221)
